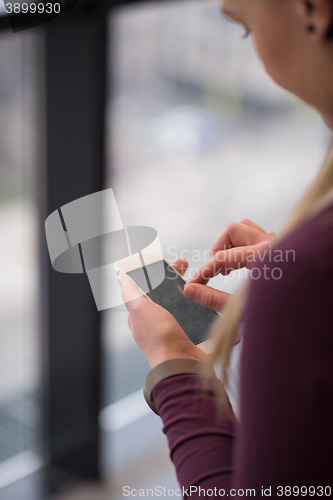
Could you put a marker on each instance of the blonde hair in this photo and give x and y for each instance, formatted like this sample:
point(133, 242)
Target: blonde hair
point(319, 196)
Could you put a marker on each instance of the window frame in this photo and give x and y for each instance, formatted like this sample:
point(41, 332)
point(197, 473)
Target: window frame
point(72, 70)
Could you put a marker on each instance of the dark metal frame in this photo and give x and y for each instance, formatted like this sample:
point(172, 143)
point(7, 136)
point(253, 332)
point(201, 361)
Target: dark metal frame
point(75, 86)
point(74, 72)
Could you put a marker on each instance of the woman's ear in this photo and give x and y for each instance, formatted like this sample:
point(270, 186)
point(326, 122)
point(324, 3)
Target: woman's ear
point(316, 17)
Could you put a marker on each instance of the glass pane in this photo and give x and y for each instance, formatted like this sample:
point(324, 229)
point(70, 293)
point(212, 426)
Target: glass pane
point(199, 136)
point(19, 343)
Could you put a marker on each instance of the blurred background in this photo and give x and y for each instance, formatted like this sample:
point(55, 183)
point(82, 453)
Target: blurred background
point(185, 126)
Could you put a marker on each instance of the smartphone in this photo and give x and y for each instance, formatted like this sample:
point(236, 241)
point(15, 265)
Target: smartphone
point(195, 319)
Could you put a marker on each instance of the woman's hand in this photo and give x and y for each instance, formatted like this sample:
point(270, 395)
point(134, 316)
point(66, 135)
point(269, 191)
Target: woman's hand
point(154, 329)
point(237, 247)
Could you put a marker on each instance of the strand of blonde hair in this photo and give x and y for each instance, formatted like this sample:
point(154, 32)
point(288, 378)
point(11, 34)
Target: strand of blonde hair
point(319, 196)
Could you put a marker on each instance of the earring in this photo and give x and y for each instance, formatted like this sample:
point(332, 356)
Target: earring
point(310, 28)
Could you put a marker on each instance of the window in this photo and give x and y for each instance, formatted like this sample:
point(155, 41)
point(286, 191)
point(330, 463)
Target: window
point(20, 409)
point(197, 136)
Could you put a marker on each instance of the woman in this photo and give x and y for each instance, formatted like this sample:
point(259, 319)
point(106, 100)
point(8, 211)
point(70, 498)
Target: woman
point(284, 444)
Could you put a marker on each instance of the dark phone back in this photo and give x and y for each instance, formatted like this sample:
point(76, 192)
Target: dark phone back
point(194, 319)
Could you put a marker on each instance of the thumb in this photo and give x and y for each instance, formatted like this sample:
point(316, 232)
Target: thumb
point(207, 296)
point(132, 296)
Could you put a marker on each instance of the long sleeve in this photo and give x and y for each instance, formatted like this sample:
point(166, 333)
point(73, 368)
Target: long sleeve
point(201, 438)
point(285, 436)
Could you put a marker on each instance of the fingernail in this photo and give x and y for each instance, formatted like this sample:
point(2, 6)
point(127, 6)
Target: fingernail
point(120, 279)
point(190, 292)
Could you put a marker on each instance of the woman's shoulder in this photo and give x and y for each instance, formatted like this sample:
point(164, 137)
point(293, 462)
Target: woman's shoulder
point(314, 237)
point(295, 287)
point(305, 252)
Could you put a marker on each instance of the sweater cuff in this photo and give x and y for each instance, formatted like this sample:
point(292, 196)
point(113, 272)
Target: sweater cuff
point(170, 368)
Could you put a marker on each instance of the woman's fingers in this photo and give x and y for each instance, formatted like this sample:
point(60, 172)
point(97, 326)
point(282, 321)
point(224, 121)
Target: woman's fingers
point(180, 265)
point(207, 296)
point(132, 296)
point(238, 235)
point(248, 222)
point(224, 262)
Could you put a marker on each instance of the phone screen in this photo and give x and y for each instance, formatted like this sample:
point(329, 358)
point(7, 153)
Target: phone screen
point(194, 318)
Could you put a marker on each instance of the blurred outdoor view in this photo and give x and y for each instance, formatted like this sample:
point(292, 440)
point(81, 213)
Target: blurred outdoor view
point(198, 136)
point(19, 346)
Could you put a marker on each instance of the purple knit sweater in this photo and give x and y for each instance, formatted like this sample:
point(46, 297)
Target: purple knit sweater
point(285, 435)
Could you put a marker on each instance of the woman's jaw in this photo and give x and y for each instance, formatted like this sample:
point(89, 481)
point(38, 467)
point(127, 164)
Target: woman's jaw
point(290, 37)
